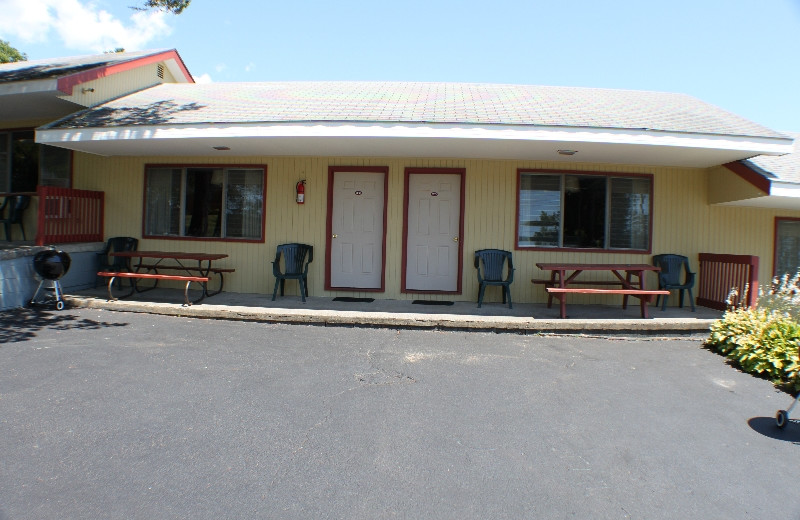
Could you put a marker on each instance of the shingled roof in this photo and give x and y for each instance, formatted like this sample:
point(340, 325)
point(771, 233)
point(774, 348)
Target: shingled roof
point(784, 168)
point(410, 102)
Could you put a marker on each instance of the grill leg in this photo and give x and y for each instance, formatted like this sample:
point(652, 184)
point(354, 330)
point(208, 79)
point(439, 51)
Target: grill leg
point(33, 300)
point(58, 294)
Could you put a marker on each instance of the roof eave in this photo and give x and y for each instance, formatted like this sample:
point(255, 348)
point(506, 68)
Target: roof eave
point(779, 194)
point(755, 176)
point(29, 87)
point(749, 144)
point(67, 83)
point(782, 196)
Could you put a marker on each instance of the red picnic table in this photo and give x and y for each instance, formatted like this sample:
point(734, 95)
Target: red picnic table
point(180, 261)
point(632, 284)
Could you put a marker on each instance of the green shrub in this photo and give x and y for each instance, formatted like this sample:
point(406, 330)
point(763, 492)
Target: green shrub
point(764, 340)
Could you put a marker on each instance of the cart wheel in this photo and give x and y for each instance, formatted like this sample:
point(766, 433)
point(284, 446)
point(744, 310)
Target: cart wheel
point(780, 418)
point(60, 305)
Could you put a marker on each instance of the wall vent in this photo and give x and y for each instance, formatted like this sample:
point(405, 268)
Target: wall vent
point(160, 71)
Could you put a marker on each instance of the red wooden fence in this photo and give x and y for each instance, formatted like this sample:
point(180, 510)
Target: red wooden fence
point(67, 215)
point(721, 273)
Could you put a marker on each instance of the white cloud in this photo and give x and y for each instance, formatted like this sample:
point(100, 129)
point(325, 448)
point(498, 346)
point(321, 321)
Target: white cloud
point(28, 20)
point(205, 78)
point(220, 67)
point(79, 25)
point(249, 67)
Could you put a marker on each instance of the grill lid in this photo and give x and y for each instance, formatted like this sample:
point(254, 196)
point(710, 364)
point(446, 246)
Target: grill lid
point(51, 264)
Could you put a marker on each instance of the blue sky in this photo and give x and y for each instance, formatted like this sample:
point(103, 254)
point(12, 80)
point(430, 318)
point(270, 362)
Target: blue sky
point(739, 55)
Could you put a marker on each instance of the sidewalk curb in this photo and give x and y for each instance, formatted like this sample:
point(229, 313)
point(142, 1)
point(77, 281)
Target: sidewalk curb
point(511, 324)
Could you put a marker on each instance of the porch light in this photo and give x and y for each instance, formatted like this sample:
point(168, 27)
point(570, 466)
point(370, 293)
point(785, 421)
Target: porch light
point(567, 152)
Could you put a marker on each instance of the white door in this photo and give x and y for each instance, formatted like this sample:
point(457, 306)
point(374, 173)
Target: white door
point(357, 230)
point(434, 221)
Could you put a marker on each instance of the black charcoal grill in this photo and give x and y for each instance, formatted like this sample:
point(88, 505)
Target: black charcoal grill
point(51, 265)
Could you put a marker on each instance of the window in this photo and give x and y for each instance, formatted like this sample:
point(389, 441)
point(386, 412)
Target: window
point(55, 166)
point(24, 164)
point(787, 246)
point(574, 211)
point(207, 202)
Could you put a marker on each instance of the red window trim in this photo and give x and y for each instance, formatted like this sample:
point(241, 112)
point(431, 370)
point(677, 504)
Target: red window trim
point(517, 247)
point(209, 239)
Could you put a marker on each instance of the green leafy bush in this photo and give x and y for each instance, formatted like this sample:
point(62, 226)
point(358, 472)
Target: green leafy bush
point(764, 340)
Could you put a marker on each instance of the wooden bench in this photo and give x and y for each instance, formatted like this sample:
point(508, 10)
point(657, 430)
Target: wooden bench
point(555, 283)
point(216, 270)
point(148, 276)
point(644, 295)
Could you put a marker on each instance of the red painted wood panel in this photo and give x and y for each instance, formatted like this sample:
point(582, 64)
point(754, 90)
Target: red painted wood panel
point(68, 215)
point(720, 274)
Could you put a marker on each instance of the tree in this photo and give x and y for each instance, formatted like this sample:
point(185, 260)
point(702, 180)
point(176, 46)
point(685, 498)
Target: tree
point(171, 6)
point(9, 54)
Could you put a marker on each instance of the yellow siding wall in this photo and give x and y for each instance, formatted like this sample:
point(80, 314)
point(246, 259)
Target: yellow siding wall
point(683, 223)
point(726, 186)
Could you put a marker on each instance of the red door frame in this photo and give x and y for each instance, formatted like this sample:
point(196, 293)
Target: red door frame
point(436, 171)
point(332, 170)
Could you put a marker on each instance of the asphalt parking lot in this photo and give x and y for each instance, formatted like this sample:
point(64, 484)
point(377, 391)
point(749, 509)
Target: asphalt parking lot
point(128, 415)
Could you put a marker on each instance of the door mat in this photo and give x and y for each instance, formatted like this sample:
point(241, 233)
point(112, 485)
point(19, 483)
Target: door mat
point(431, 302)
point(350, 299)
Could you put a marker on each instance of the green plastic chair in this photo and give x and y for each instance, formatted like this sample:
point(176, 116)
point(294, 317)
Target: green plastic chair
point(296, 258)
point(116, 264)
point(491, 264)
point(16, 204)
point(669, 278)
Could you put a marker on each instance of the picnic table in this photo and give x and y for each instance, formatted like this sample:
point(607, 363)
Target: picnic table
point(151, 262)
point(631, 284)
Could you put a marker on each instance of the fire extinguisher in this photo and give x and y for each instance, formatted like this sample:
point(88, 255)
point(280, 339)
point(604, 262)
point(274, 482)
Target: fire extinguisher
point(301, 191)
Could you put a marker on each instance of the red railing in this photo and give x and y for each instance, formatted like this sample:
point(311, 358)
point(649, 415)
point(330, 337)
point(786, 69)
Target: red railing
point(719, 274)
point(67, 215)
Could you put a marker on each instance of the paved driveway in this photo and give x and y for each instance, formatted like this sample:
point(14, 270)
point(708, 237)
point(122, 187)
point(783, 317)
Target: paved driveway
point(123, 415)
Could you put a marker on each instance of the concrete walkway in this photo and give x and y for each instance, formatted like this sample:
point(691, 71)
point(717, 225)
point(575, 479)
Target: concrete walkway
point(523, 318)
